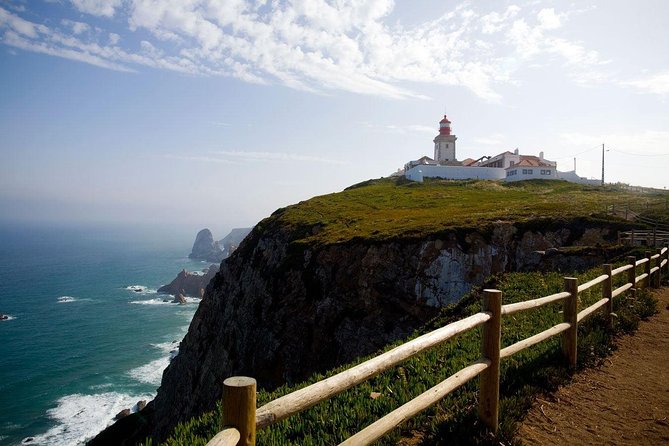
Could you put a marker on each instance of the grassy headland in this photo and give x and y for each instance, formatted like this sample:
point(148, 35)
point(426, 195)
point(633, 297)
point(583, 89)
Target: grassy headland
point(386, 209)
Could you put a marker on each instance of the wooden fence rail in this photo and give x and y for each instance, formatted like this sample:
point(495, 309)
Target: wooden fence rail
point(241, 419)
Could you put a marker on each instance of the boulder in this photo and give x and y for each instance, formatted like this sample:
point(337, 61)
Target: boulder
point(141, 405)
point(205, 248)
point(122, 414)
point(190, 284)
point(179, 299)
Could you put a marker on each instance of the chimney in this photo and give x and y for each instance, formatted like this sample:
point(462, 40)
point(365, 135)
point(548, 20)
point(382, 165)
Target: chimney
point(515, 152)
point(541, 155)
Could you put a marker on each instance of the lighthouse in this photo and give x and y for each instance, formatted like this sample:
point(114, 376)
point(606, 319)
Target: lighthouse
point(444, 143)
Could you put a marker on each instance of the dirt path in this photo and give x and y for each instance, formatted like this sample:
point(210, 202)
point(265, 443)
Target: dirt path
point(623, 402)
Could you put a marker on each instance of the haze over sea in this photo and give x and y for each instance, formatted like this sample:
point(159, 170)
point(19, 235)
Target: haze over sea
point(88, 336)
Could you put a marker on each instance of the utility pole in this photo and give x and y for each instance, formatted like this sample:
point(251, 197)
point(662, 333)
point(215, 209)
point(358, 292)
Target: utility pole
point(602, 164)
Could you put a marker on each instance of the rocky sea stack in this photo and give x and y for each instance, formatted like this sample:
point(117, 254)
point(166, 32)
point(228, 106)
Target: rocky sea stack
point(205, 248)
point(190, 284)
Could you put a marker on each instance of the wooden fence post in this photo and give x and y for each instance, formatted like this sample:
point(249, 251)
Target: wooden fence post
point(632, 238)
point(646, 281)
point(658, 275)
point(490, 346)
point(654, 237)
point(607, 288)
point(631, 274)
point(570, 312)
point(239, 408)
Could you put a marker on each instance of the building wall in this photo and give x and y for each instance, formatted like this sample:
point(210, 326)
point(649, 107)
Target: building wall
point(572, 177)
point(502, 160)
point(444, 148)
point(517, 173)
point(417, 173)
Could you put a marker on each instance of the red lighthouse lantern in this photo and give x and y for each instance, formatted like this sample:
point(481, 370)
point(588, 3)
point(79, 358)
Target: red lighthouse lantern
point(445, 126)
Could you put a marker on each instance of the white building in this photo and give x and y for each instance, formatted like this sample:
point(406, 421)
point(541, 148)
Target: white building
point(507, 166)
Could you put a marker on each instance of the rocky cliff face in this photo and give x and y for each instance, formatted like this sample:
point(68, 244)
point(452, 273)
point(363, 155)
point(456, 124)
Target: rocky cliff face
point(190, 284)
point(279, 311)
point(205, 248)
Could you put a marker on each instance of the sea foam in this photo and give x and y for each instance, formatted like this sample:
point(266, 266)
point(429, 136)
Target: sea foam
point(152, 372)
point(66, 299)
point(166, 299)
point(81, 417)
point(141, 289)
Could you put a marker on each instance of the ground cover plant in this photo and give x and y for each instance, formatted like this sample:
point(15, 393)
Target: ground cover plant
point(384, 209)
point(453, 420)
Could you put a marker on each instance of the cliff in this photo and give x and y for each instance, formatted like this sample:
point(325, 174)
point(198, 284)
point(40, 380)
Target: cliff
point(339, 276)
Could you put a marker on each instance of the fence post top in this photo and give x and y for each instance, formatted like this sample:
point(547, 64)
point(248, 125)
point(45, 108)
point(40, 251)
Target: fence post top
point(239, 381)
point(491, 290)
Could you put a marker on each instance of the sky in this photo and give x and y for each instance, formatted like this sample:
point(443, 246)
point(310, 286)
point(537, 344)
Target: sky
point(215, 113)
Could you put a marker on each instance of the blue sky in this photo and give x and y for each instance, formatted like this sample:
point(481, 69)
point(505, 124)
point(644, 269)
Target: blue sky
point(199, 113)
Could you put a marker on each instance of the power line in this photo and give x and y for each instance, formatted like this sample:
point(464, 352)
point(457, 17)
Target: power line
point(638, 154)
point(580, 153)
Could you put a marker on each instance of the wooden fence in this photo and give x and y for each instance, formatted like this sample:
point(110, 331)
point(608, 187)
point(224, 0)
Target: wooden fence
point(241, 418)
point(649, 238)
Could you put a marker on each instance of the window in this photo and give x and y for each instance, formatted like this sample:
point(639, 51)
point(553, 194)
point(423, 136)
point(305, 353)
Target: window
point(545, 172)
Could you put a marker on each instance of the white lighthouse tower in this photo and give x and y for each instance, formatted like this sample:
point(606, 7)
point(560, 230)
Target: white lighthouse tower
point(444, 143)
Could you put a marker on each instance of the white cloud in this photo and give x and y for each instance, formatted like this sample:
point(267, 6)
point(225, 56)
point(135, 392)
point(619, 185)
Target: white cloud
point(251, 156)
point(548, 19)
point(657, 83)
point(408, 128)
point(77, 27)
point(495, 22)
point(105, 8)
point(200, 158)
point(317, 45)
point(244, 157)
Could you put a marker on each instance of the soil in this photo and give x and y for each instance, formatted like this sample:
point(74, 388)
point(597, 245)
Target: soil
point(625, 401)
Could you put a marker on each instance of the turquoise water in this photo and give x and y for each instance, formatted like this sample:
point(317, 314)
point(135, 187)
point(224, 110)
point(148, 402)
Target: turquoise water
point(87, 336)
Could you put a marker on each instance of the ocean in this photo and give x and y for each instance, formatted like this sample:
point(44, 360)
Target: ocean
point(87, 335)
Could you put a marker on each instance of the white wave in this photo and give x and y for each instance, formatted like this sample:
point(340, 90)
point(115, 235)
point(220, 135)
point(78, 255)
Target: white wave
point(66, 299)
point(167, 299)
point(81, 417)
point(151, 373)
point(8, 318)
point(167, 347)
point(141, 289)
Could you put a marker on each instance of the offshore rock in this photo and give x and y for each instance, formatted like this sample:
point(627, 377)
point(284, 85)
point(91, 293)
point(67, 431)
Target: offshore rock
point(190, 284)
point(231, 241)
point(205, 248)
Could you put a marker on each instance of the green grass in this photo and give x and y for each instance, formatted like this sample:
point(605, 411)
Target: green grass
point(384, 209)
point(454, 420)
